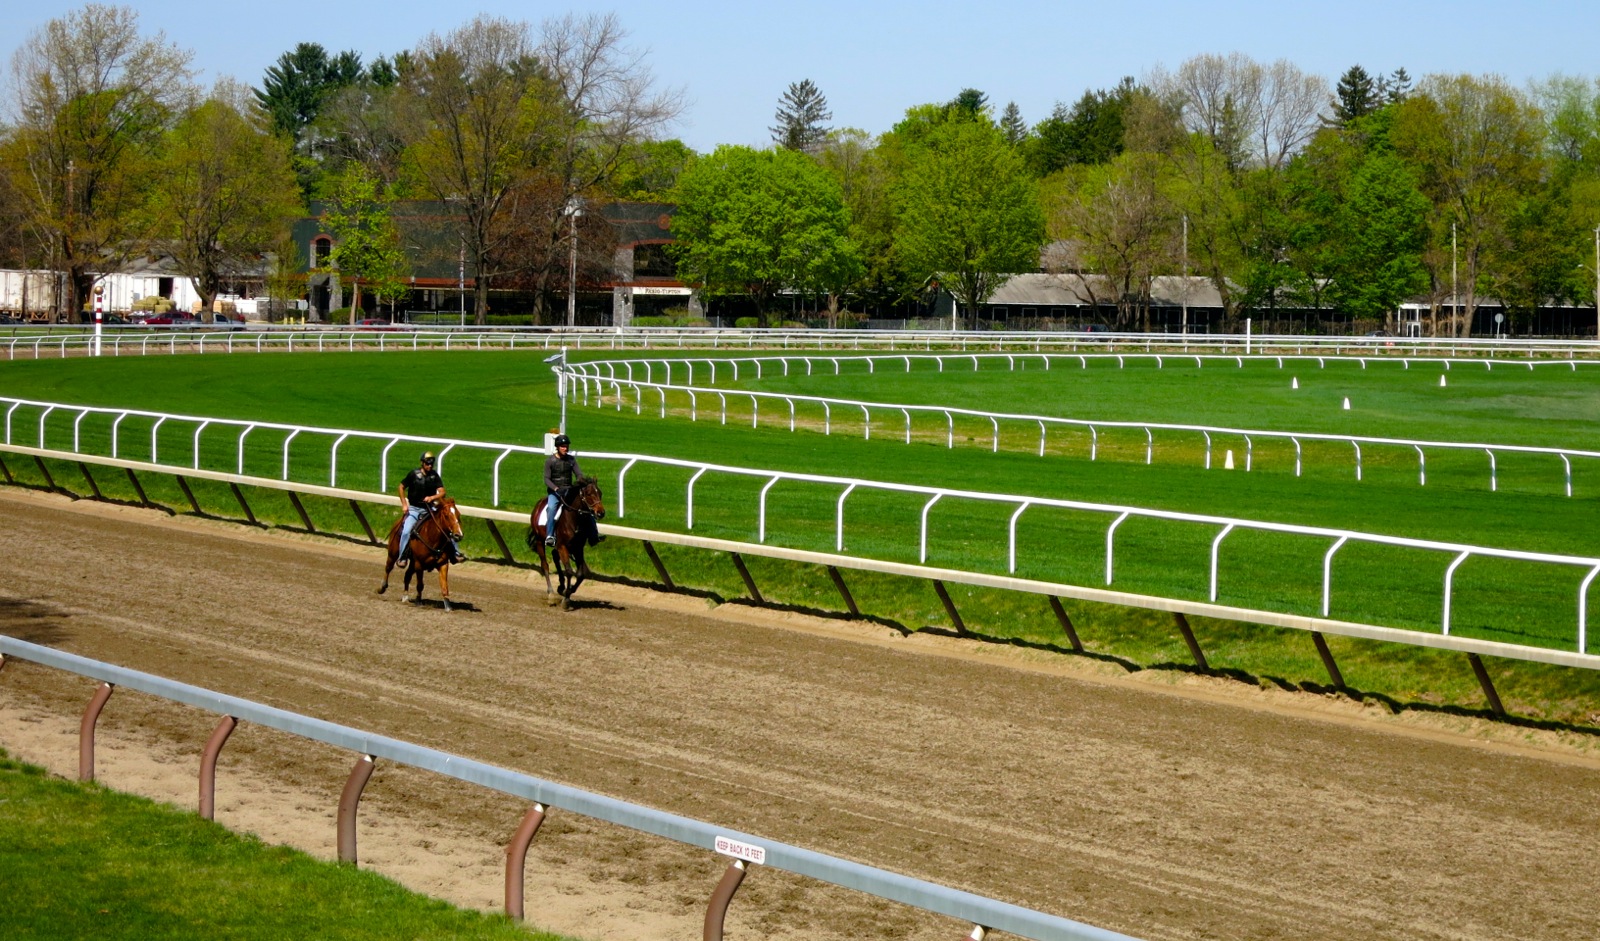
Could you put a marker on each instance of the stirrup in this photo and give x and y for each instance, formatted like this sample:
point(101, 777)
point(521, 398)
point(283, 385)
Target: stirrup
point(550, 542)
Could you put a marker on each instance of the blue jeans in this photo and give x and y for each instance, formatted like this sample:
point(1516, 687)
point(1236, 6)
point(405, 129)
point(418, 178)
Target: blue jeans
point(414, 515)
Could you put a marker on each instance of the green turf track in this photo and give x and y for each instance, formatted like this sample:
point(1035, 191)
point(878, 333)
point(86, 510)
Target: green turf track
point(509, 397)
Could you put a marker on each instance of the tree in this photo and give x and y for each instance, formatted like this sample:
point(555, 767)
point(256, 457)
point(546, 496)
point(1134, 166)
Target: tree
point(366, 243)
point(1012, 126)
point(1091, 131)
point(802, 117)
point(1356, 96)
point(1253, 115)
point(649, 170)
point(968, 213)
point(1476, 143)
point(92, 102)
point(295, 88)
point(227, 190)
point(865, 171)
point(502, 124)
point(760, 223)
point(970, 103)
point(1122, 226)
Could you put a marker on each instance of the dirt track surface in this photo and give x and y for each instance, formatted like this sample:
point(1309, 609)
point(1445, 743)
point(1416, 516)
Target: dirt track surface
point(1162, 807)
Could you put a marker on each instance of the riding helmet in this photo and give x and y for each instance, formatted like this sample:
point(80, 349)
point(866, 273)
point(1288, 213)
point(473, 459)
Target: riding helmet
point(562, 441)
point(427, 457)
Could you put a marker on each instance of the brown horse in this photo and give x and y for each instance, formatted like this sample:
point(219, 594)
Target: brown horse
point(573, 529)
point(432, 547)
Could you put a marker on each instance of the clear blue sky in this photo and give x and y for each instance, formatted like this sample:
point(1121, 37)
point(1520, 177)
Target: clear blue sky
point(874, 60)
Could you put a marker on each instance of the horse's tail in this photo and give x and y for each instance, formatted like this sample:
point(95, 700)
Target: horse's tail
point(532, 539)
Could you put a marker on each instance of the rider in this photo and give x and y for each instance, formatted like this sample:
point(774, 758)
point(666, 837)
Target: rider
point(560, 473)
point(419, 488)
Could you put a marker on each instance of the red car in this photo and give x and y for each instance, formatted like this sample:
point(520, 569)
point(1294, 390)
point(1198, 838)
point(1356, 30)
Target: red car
point(171, 320)
point(375, 323)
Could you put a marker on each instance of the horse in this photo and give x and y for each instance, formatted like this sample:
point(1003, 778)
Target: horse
point(572, 533)
point(432, 542)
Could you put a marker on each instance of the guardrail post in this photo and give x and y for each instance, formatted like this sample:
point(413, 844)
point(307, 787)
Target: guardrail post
point(6, 469)
point(979, 932)
point(1487, 684)
point(349, 802)
point(718, 909)
point(661, 569)
point(138, 488)
point(499, 541)
point(362, 519)
point(91, 716)
point(1066, 623)
point(248, 514)
point(749, 583)
point(844, 591)
point(184, 486)
point(516, 857)
point(93, 487)
point(299, 508)
point(1328, 662)
point(49, 481)
point(1188, 638)
point(950, 608)
point(208, 766)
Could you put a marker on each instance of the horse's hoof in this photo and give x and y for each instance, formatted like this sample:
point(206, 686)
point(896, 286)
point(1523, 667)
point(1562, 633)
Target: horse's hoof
point(447, 606)
point(382, 589)
point(405, 599)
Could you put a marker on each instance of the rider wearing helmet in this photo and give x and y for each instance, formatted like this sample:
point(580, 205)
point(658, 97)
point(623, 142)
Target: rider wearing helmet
point(560, 473)
point(419, 488)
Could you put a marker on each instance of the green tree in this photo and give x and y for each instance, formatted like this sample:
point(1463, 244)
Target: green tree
point(227, 191)
point(1477, 146)
point(760, 223)
point(649, 170)
point(1012, 126)
point(92, 101)
point(967, 211)
point(1121, 222)
point(295, 88)
point(802, 117)
point(865, 177)
point(366, 242)
point(1356, 96)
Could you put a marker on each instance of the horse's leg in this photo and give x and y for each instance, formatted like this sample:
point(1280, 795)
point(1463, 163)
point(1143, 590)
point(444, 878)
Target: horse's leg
point(580, 570)
point(444, 584)
point(420, 573)
point(558, 561)
point(393, 547)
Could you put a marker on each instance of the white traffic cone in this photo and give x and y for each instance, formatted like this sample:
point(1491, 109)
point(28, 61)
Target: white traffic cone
point(1441, 380)
point(1294, 383)
point(1227, 460)
point(1347, 403)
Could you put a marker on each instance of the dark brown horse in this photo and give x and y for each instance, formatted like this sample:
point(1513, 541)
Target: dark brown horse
point(432, 547)
point(573, 529)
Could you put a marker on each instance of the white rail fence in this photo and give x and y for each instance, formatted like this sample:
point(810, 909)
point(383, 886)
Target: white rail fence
point(597, 377)
point(36, 343)
point(844, 486)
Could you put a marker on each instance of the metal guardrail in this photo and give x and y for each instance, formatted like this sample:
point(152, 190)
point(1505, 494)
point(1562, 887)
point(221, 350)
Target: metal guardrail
point(846, 486)
point(600, 374)
point(745, 849)
point(138, 340)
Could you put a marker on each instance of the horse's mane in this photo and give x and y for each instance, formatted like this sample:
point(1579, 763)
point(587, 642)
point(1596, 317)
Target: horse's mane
point(584, 480)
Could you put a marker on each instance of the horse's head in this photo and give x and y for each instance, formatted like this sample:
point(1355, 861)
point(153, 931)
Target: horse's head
point(589, 497)
point(450, 517)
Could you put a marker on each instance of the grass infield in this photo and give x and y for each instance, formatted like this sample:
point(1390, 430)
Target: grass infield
point(509, 397)
point(169, 874)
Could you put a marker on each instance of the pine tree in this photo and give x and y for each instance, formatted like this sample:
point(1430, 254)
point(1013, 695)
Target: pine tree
point(801, 116)
point(970, 102)
point(1011, 124)
point(1396, 87)
point(1357, 96)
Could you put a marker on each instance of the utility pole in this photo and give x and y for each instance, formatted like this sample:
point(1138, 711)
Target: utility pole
point(573, 210)
point(461, 281)
point(1185, 321)
point(1454, 295)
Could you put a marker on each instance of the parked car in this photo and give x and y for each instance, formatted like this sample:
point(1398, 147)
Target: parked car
point(8, 319)
point(221, 321)
point(375, 323)
point(171, 319)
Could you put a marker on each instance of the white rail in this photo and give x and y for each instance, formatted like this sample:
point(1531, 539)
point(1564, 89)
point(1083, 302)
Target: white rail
point(846, 486)
point(596, 376)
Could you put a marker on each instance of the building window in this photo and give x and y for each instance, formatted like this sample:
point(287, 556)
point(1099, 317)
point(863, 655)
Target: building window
point(321, 247)
point(652, 261)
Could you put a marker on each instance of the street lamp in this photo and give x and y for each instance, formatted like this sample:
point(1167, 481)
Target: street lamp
point(461, 281)
point(572, 211)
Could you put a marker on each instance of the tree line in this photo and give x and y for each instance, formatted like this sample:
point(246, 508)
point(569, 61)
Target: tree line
point(1283, 190)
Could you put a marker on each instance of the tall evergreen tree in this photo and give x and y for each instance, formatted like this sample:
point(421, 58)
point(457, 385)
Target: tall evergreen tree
point(802, 117)
point(1357, 96)
point(970, 102)
point(1012, 126)
point(295, 88)
point(1396, 86)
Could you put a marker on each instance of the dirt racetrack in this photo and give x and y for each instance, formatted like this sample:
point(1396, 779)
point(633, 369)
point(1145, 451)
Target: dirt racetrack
point(1159, 805)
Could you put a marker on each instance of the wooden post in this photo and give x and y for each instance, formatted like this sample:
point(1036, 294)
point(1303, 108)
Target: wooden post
point(1066, 623)
point(239, 495)
point(362, 519)
point(49, 481)
point(300, 508)
point(950, 608)
point(1327, 659)
point(661, 570)
point(184, 485)
point(1487, 684)
point(504, 549)
point(844, 591)
point(93, 487)
point(6, 469)
point(138, 488)
point(749, 583)
point(1188, 638)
